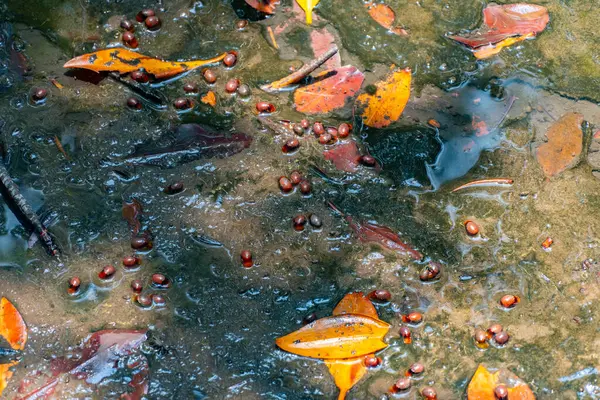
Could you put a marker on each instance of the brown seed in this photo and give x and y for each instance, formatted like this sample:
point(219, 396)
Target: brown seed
point(430, 272)
point(325, 138)
point(107, 272)
point(404, 332)
point(501, 392)
point(144, 300)
point(318, 128)
point(209, 76)
point(140, 76)
point(230, 60)
point(127, 25)
point(291, 145)
point(232, 85)
point(480, 336)
point(305, 187)
point(416, 369)
point(413, 318)
point(368, 161)
point(344, 130)
point(241, 24)
point(501, 337)
point(372, 361)
point(298, 129)
point(137, 286)
point(134, 103)
point(130, 40)
point(246, 257)
point(74, 285)
point(152, 23)
point(332, 131)
point(402, 384)
point(380, 295)
point(494, 329)
point(299, 222)
point(471, 228)
point(39, 94)
point(310, 318)
point(142, 15)
point(509, 301)
point(159, 300)
point(304, 124)
point(429, 393)
point(174, 188)
point(264, 107)
point(285, 184)
point(160, 281)
point(130, 261)
point(182, 103)
point(190, 87)
point(244, 90)
point(295, 177)
point(141, 243)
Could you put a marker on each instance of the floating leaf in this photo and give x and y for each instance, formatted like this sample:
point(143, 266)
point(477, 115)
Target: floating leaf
point(12, 326)
point(384, 16)
point(493, 49)
point(564, 146)
point(264, 6)
point(124, 61)
point(330, 91)
point(388, 102)
point(5, 375)
point(209, 98)
point(503, 21)
point(308, 6)
point(344, 156)
point(484, 382)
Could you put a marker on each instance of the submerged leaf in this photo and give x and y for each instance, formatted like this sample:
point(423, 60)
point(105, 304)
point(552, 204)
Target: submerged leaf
point(264, 6)
point(5, 375)
point(330, 91)
point(493, 49)
point(12, 325)
point(484, 382)
point(308, 6)
point(564, 146)
point(209, 98)
point(344, 156)
point(384, 16)
point(124, 61)
point(386, 105)
point(356, 303)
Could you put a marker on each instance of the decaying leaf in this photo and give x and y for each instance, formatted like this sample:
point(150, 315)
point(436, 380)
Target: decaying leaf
point(501, 22)
point(5, 375)
point(484, 382)
point(564, 146)
point(264, 6)
point(384, 16)
point(124, 61)
point(346, 373)
point(321, 41)
point(12, 325)
point(330, 91)
point(308, 6)
point(493, 49)
point(209, 98)
point(344, 156)
point(386, 105)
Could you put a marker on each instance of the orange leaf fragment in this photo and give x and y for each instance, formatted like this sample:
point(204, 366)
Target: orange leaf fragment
point(330, 91)
point(346, 373)
point(484, 382)
point(564, 146)
point(384, 16)
point(356, 303)
point(209, 98)
point(493, 49)
point(124, 61)
point(264, 6)
point(12, 326)
point(5, 375)
point(388, 102)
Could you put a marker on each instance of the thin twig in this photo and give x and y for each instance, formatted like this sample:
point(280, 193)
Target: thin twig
point(60, 147)
point(272, 35)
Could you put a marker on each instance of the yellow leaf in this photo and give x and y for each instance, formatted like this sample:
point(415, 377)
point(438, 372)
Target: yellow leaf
point(307, 6)
point(5, 375)
point(12, 326)
point(340, 336)
point(484, 382)
point(493, 49)
point(124, 61)
point(356, 303)
point(346, 373)
point(387, 103)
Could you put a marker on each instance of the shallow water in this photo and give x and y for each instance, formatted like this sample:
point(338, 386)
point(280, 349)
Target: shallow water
point(214, 339)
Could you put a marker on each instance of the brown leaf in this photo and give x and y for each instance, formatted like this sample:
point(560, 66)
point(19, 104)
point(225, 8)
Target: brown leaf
point(384, 16)
point(12, 326)
point(124, 61)
point(264, 6)
point(344, 156)
point(564, 146)
point(330, 91)
point(484, 382)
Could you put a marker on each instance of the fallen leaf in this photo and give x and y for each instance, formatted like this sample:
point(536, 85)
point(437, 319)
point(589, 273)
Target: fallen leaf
point(321, 40)
point(344, 156)
point(564, 146)
point(132, 213)
point(356, 303)
point(388, 102)
point(346, 373)
point(5, 375)
point(340, 336)
point(264, 6)
point(308, 6)
point(12, 326)
point(503, 21)
point(493, 49)
point(484, 382)
point(209, 98)
point(479, 126)
point(384, 16)
point(330, 91)
point(124, 61)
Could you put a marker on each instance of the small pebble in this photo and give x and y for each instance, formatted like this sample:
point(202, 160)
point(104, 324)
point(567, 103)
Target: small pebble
point(368, 161)
point(264, 107)
point(299, 222)
point(315, 221)
point(141, 243)
point(230, 60)
point(372, 361)
point(305, 187)
point(140, 76)
point(107, 272)
point(144, 300)
point(318, 128)
point(190, 88)
point(416, 369)
point(142, 15)
point(344, 130)
point(137, 286)
point(471, 228)
point(232, 85)
point(152, 23)
point(134, 103)
point(130, 261)
point(501, 338)
point(182, 103)
point(310, 318)
point(161, 281)
point(402, 384)
point(159, 300)
point(244, 90)
point(174, 188)
point(429, 393)
point(127, 25)
point(380, 295)
point(295, 177)
point(509, 301)
point(241, 24)
point(285, 184)
point(39, 94)
point(209, 76)
point(501, 392)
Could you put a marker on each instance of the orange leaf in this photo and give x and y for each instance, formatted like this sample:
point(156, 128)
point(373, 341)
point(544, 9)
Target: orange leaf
point(356, 303)
point(264, 6)
point(330, 91)
point(346, 373)
point(209, 98)
point(12, 326)
point(384, 16)
point(341, 336)
point(5, 375)
point(493, 49)
point(564, 146)
point(124, 61)
point(388, 102)
point(484, 382)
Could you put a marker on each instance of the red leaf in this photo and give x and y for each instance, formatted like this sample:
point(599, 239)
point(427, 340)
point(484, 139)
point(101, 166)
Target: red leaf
point(344, 156)
point(264, 6)
point(330, 91)
point(503, 21)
